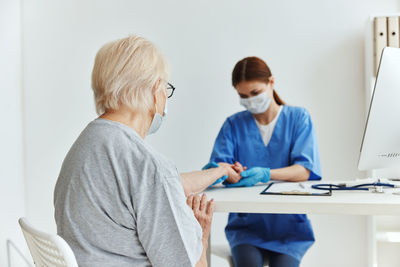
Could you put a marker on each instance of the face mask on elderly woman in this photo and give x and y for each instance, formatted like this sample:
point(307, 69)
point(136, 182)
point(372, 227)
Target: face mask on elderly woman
point(157, 120)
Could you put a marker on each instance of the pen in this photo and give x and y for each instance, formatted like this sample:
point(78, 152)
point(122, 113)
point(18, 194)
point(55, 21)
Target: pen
point(295, 193)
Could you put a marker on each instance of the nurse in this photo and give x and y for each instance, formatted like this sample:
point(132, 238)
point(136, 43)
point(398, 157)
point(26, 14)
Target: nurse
point(273, 141)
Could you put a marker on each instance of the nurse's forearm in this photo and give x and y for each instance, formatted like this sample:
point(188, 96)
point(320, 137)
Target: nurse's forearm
point(294, 173)
point(197, 181)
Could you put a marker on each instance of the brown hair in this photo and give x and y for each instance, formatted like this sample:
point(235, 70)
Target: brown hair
point(253, 69)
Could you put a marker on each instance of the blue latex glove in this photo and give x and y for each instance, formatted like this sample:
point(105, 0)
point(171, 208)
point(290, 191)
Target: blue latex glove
point(213, 164)
point(253, 176)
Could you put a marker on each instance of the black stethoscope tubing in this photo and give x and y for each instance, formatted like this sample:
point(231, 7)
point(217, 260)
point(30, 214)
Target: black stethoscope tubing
point(364, 187)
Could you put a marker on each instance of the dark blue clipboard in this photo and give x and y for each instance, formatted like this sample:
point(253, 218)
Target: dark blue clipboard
point(294, 193)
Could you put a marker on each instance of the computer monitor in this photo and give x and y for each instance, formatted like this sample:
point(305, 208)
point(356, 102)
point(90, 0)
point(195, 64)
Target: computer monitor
point(380, 147)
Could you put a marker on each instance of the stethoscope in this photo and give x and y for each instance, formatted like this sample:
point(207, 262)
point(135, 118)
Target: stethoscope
point(376, 187)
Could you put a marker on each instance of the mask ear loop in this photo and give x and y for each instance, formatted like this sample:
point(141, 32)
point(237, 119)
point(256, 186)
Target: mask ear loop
point(155, 104)
point(155, 92)
point(155, 95)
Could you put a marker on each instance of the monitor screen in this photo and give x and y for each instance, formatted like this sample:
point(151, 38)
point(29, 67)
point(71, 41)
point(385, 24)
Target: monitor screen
point(380, 146)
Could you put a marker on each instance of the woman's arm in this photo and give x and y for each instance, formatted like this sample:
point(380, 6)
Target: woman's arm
point(294, 173)
point(197, 181)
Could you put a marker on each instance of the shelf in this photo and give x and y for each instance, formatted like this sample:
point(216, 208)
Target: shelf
point(388, 237)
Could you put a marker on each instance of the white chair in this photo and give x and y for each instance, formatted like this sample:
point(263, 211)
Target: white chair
point(47, 249)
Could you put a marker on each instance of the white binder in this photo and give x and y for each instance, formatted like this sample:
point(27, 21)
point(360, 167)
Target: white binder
point(380, 39)
point(393, 31)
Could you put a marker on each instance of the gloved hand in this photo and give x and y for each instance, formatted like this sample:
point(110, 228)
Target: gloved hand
point(213, 164)
point(253, 176)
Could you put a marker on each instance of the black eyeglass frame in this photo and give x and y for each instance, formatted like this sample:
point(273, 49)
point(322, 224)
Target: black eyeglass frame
point(170, 87)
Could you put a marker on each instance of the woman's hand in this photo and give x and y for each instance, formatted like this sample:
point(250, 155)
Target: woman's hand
point(203, 211)
point(233, 175)
point(253, 176)
point(212, 165)
point(238, 167)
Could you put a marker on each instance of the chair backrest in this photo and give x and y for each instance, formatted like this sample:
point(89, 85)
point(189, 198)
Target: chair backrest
point(47, 249)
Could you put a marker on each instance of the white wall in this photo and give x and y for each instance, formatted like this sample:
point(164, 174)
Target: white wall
point(314, 48)
point(11, 150)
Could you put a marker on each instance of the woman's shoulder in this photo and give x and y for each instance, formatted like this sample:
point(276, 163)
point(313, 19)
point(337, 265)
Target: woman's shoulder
point(124, 143)
point(241, 115)
point(165, 167)
point(295, 112)
point(297, 117)
point(295, 109)
point(152, 161)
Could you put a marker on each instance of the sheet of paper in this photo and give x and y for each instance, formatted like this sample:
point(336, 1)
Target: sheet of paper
point(303, 187)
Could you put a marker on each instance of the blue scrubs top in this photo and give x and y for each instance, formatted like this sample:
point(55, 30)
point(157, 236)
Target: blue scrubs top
point(293, 141)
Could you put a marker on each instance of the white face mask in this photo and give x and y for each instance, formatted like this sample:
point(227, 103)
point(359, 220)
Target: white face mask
point(256, 104)
point(157, 120)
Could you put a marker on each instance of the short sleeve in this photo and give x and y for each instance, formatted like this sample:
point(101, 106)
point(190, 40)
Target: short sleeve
point(305, 150)
point(224, 148)
point(166, 226)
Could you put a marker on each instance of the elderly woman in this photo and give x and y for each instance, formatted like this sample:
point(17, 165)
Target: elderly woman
point(117, 201)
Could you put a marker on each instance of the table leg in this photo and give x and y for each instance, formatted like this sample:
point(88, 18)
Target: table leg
point(371, 241)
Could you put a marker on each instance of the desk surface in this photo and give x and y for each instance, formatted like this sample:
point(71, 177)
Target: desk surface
point(248, 199)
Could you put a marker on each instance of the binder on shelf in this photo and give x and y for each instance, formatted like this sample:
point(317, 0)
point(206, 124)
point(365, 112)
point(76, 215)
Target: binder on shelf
point(393, 31)
point(380, 39)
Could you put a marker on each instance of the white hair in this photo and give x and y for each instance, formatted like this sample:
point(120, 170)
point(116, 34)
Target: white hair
point(124, 73)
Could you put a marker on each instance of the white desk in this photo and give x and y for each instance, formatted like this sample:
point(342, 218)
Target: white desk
point(249, 200)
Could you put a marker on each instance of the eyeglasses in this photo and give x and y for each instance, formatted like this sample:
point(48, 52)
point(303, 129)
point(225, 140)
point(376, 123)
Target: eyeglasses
point(170, 90)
